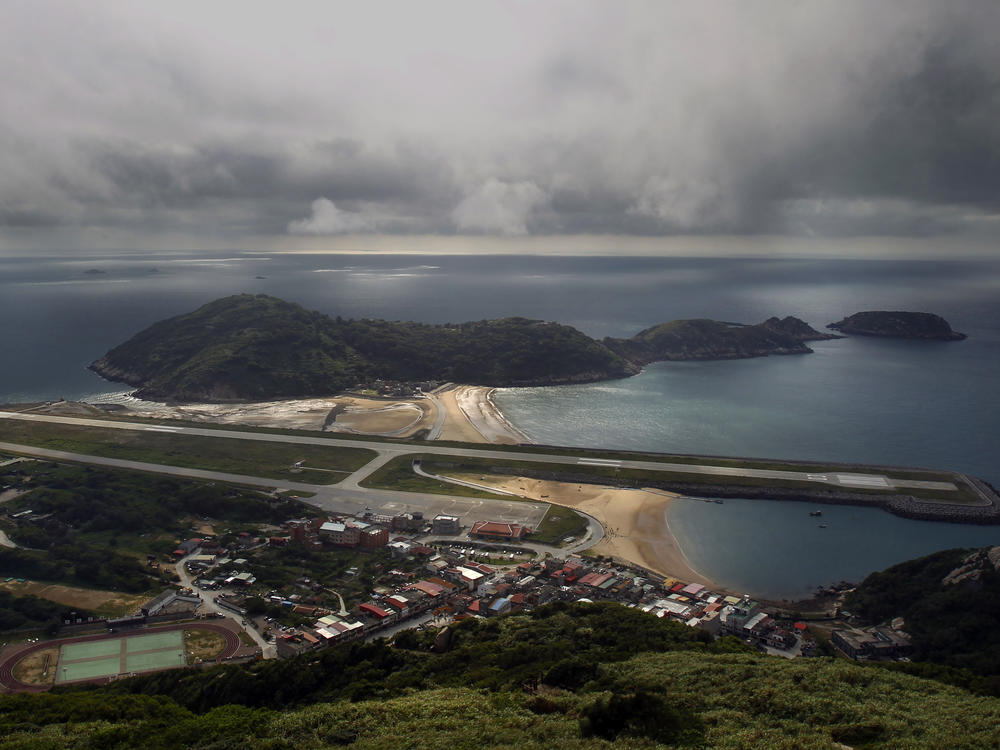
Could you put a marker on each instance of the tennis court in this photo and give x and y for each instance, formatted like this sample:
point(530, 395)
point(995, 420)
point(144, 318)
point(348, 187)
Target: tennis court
point(114, 656)
point(80, 651)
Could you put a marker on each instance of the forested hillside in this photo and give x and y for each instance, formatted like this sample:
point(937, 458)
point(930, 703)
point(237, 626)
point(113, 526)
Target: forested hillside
point(566, 675)
point(250, 347)
point(950, 604)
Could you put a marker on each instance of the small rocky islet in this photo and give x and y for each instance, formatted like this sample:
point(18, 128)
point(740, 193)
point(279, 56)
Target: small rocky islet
point(898, 324)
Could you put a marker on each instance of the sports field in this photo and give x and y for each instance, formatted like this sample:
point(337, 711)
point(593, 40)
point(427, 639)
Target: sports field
point(114, 656)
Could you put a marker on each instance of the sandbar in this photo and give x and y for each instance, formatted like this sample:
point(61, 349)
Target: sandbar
point(471, 416)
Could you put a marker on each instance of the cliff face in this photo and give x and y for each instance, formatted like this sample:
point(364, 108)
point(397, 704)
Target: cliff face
point(709, 339)
point(898, 324)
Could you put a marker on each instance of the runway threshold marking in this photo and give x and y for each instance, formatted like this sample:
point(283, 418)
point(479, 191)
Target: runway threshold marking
point(599, 462)
point(863, 480)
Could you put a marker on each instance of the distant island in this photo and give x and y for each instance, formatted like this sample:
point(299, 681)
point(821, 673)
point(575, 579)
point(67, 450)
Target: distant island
point(898, 324)
point(256, 347)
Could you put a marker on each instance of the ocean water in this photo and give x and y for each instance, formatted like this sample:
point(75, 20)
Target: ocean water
point(775, 549)
point(933, 404)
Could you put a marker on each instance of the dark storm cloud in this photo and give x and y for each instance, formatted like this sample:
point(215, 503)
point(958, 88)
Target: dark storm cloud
point(813, 118)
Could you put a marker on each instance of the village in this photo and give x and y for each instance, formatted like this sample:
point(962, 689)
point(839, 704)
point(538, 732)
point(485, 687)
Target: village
point(437, 573)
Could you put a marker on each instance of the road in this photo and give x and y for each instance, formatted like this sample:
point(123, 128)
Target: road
point(387, 451)
point(333, 499)
point(207, 605)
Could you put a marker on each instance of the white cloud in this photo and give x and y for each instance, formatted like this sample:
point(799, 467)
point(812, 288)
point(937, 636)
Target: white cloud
point(497, 207)
point(326, 218)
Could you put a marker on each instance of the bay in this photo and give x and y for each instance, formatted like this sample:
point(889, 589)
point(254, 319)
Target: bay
point(932, 404)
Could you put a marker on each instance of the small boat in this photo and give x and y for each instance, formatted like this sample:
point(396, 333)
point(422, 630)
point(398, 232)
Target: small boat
point(822, 525)
point(718, 502)
point(815, 513)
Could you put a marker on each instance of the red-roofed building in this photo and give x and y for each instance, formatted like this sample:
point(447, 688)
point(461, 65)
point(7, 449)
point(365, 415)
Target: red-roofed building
point(498, 530)
point(376, 612)
point(431, 589)
point(374, 538)
point(399, 603)
point(448, 586)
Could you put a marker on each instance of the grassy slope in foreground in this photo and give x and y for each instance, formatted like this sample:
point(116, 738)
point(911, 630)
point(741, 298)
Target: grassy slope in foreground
point(323, 465)
point(551, 678)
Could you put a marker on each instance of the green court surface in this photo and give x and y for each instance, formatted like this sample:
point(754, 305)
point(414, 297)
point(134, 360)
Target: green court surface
point(154, 660)
point(86, 670)
point(85, 661)
point(173, 639)
point(77, 651)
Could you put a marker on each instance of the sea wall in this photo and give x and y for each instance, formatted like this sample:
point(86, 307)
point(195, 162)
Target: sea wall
point(904, 506)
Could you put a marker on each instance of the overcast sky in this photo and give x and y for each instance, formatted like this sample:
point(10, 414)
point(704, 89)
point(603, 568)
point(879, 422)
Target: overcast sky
point(532, 126)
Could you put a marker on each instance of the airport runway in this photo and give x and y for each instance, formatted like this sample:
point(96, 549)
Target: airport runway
point(388, 451)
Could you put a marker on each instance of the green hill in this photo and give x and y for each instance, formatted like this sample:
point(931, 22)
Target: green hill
point(950, 604)
point(898, 324)
point(255, 347)
point(711, 339)
point(566, 675)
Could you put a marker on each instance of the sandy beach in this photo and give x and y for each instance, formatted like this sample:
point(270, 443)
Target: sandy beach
point(472, 417)
point(470, 414)
point(634, 521)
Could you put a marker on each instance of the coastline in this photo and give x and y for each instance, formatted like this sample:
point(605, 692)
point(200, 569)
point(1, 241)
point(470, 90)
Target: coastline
point(471, 416)
point(635, 523)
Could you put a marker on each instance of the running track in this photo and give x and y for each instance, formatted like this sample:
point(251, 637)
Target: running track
point(9, 684)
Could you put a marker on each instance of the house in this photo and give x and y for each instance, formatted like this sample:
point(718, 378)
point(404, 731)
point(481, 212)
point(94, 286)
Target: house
point(498, 530)
point(736, 614)
point(880, 643)
point(471, 579)
point(399, 549)
point(432, 590)
point(187, 547)
point(855, 643)
point(780, 638)
point(305, 532)
point(170, 601)
point(398, 603)
point(380, 615)
point(373, 537)
point(443, 524)
point(340, 534)
point(242, 579)
point(499, 606)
